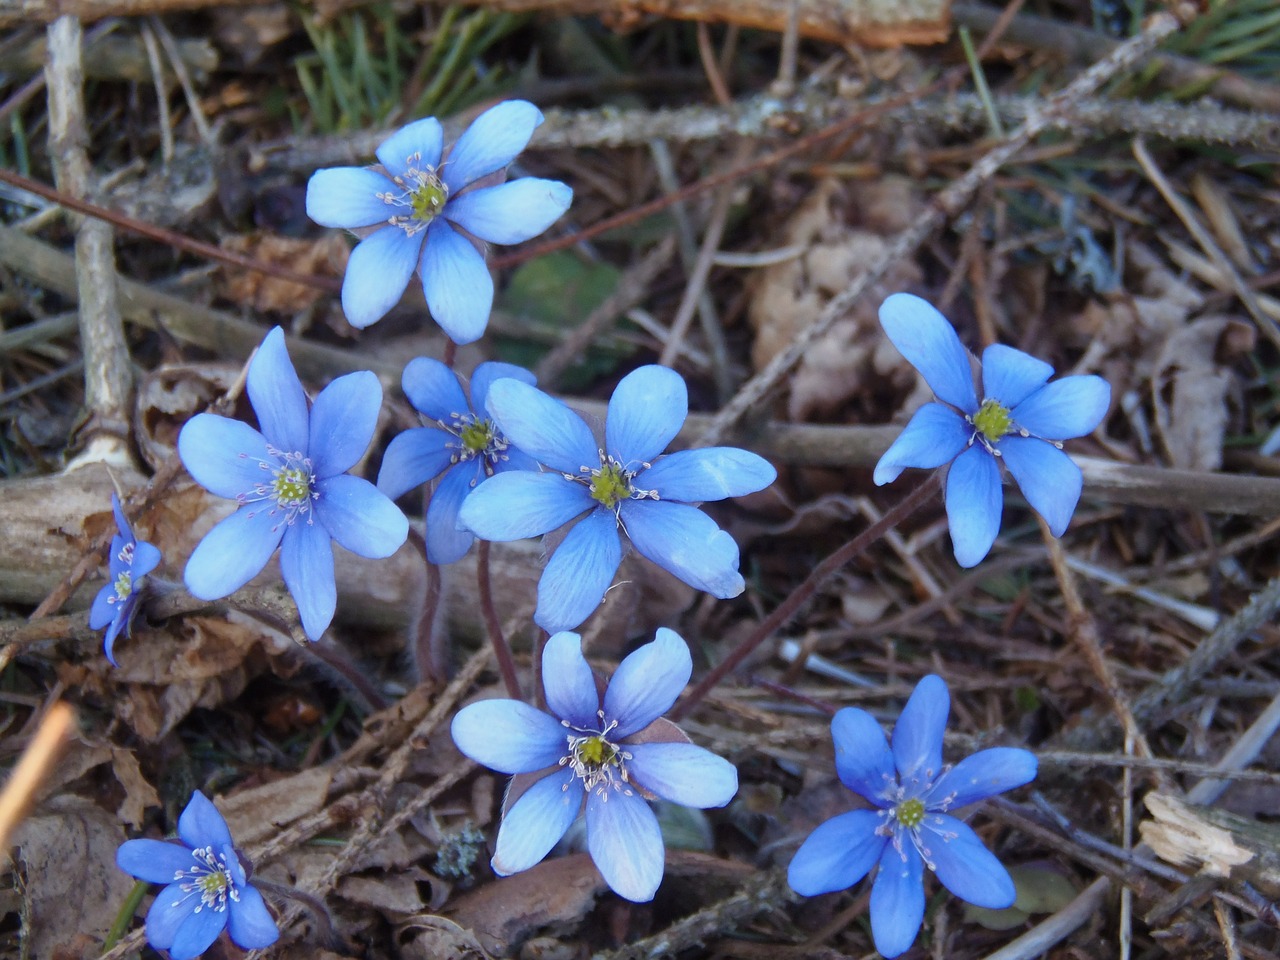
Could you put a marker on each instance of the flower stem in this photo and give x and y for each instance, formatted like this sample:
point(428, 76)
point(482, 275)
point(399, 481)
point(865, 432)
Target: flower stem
point(801, 594)
point(501, 649)
point(429, 652)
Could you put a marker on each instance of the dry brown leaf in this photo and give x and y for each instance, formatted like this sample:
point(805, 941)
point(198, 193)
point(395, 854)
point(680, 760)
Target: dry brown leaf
point(394, 894)
point(325, 256)
point(1190, 391)
point(138, 792)
point(262, 811)
point(430, 938)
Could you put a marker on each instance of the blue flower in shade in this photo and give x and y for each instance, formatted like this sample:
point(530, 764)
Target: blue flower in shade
point(417, 199)
point(613, 751)
point(131, 559)
point(624, 484)
point(207, 890)
point(292, 486)
point(1021, 420)
point(910, 827)
point(465, 446)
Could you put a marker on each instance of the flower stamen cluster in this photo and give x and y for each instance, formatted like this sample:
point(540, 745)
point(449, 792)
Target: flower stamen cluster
point(211, 877)
point(478, 438)
point(595, 760)
point(424, 193)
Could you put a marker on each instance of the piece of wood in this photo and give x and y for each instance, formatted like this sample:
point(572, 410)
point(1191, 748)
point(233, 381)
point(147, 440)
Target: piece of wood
point(1220, 844)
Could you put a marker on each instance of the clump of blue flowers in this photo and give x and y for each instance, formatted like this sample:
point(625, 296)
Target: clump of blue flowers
point(291, 481)
point(460, 445)
point(611, 752)
point(623, 485)
point(207, 886)
point(911, 827)
point(130, 561)
point(1021, 420)
point(423, 209)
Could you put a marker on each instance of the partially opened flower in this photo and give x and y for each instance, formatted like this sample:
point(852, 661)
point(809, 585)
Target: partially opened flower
point(609, 752)
point(131, 559)
point(623, 485)
point(910, 827)
point(292, 485)
point(417, 199)
point(1020, 420)
point(461, 446)
point(207, 886)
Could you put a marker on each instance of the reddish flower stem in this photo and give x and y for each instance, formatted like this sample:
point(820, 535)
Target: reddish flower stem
point(501, 649)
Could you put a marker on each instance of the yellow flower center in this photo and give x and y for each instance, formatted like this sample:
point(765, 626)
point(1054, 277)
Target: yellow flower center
point(476, 436)
point(610, 485)
point(428, 198)
point(124, 586)
point(910, 813)
point(992, 420)
point(292, 486)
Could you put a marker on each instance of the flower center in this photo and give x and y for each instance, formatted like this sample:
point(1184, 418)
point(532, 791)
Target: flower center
point(123, 587)
point(594, 758)
point(477, 437)
point(429, 198)
point(291, 488)
point(992, 420)
point(909, 813)
point(610, 484)
point(209, 878)
point(422, 193)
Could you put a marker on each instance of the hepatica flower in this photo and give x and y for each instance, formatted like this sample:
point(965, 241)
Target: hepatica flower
point(292, 485)
point(610, 752)
point(910, 828)
point(623, 485)
point(131, 559)
point(207, 887)
point(1020, 420)
point(418, 199)
point(461, 446)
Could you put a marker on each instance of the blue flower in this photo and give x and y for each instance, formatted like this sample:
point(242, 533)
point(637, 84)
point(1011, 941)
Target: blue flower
point(416, 199)
point(131, 559)
point(622, 485)
point(292, 486)
point(207, 890)
point(611, 751)
point(1021, 420)
point(910, 829)
point(465, 446)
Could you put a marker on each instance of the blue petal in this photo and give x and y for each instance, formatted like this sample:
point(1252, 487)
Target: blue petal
point(929, 343)
point(277, 395)
point(306, 561)
point(168, 913)
point(917, 736)
point(982, 775)
point(347, 197)
point(711, 473)
point(509, 736)
point(511, 212)
point(433, 389)
point(897, 900)
point(155, 861)
point(579, 572)
point(964, 865)
point(124, 614)
point(201, 825)
point(974, 504)
point(416, 145)
point(487, 374)
point(197, 933)
point(446, 541)
point(935, 435)
point(224, 456)
point(683, 773)
point(412, 458)
point(685, 541)
point(250, 924)
point(490, 143)
point(837, 854)
point(360, 516)
point(646, 411)
point(625, 842)
point(1009, 376)
point(103, 610)
point(864, 761)
point(456, 282)
point(233, 552)
point(569, 683)
point(647, 682)
point(122, 522)
point(519, 504)
point(378, 271)
point(343, 419)
point(536, 822)
point(1047, 477)
point(146, 557)
point(1067, 408)
point(543, 427)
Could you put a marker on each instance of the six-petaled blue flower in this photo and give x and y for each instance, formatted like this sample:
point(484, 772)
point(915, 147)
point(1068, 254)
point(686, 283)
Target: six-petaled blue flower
point(131, 559)
point(611, 752)
point(910, 828)
point(207, 890)
point(1021, 420)
point(291, 483)
point(418, 198)
point(624, 484)
point(463, 445)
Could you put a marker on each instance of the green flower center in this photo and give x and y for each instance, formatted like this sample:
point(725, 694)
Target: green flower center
point(477, 436)
point(909, 813)
point(992, 420)
point(610, 485)
point(213, 886)
point(428, 198)
point(292, 486)
point(594, 753)
point(124, 586)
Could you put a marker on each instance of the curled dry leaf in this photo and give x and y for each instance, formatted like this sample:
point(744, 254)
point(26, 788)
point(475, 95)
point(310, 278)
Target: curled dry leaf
point(324, 256)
